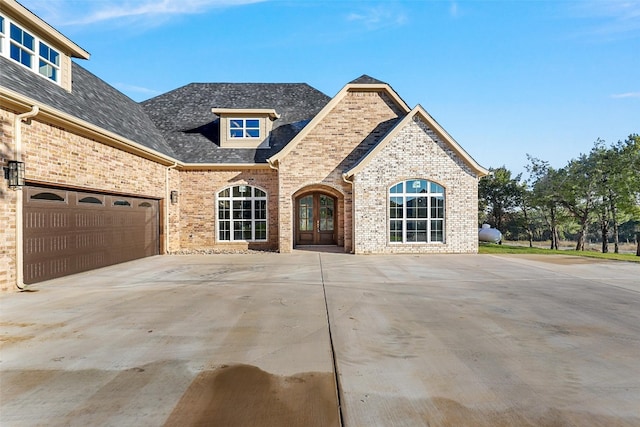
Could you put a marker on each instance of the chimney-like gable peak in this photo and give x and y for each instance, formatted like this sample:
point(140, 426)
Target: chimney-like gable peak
point(366, 80)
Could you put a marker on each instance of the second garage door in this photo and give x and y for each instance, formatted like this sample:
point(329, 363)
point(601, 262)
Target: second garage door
point(67, 232)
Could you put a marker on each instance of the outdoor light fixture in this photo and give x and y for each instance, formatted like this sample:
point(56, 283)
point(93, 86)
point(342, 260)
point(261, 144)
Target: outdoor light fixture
point(174, 197)
point(14, 172)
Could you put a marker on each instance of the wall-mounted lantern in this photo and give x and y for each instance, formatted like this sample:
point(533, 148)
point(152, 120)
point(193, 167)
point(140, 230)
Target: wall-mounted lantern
point(14, 173)
point(174, 197)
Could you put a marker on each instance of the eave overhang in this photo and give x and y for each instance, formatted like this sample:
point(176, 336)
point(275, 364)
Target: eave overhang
point(351, 87)
point(442, 134)
point(270, 112)
point(35, 23)
point(21, 103)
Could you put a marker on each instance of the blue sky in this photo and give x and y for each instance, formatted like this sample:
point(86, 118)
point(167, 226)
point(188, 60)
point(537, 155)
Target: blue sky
point(505, 78)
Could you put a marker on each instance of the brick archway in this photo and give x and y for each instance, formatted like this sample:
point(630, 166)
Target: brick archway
point(316, 191)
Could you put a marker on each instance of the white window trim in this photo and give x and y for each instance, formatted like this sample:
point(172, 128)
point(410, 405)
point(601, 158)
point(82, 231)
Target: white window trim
point(244, 128)
point(5, 50)
point(404, 218)
point(253, 220)
point(3, 35)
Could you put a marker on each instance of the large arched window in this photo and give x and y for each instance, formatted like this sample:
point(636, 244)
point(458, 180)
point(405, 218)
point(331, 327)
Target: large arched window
point(242, 214)
point(416, 212)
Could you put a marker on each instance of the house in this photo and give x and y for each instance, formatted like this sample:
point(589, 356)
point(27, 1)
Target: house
point(212, 167)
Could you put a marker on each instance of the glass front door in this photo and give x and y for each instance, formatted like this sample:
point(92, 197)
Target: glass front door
point(315, 220)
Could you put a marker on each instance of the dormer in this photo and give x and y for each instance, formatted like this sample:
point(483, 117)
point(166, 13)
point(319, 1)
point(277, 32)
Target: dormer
point(29, 41)
point(245, 128)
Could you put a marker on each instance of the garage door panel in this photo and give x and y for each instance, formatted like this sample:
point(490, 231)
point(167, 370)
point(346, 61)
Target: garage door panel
point(67, 232)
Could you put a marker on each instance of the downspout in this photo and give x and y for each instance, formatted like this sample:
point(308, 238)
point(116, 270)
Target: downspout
point(168, 202)
point(353, 216)
point(17, 129)
point(273, 164)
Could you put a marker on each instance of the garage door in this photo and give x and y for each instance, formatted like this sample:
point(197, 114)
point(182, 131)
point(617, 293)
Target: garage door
point(67, 232)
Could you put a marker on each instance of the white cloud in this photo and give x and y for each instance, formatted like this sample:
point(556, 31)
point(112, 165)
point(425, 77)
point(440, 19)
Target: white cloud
point(626, 95)
point(129, 89)
point(454, 9)
point(77, 13)
point(610, 17)
point(378, 17)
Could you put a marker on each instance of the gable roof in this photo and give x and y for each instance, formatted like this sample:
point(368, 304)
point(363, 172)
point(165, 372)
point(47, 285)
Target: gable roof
point(363, 83)
point(444, 136)
point(91, 101)
point(365, 79)
point(184, 116)
point(35, 23)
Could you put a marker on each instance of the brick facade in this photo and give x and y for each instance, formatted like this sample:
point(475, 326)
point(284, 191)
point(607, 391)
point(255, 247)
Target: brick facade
point(197, 201)
point(8, 200)
point(317, 162)
point(357, 120)
point(57, 157)
point(416, 151)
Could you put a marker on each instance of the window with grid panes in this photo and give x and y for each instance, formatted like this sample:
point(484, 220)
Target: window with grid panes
point(416, 212)
point(242, 214)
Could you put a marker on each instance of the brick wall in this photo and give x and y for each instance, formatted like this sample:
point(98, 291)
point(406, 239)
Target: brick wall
point(416, 152)
point(7, 206)
point(197, 217)
point(359, 120)
point(56, 156)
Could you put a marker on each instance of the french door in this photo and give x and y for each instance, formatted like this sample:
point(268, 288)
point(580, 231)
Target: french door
point(315, 220)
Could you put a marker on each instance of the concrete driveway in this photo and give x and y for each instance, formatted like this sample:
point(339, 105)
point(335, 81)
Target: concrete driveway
point(446, 340)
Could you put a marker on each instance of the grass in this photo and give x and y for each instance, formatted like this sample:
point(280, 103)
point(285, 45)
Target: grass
point(488, 248)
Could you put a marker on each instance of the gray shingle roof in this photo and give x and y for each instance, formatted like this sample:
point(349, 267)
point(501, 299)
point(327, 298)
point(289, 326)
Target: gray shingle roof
point(91, 100)
point(365, 79)
point(184, 117)
point(179, 123)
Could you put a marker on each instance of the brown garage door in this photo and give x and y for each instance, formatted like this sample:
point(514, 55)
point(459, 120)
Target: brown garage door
point(67, 232)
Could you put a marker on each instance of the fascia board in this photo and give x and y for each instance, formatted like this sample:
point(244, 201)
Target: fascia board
point(444, 135)
point(67, 121)
point(390, 135)
point(36, 24)
point(244, 111)
point(383, 86)
point(273, 160)
point(311, 125)
point(221, 166)
point(418, 110)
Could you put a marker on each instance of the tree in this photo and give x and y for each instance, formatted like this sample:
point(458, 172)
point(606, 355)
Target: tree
point(617, 180)
point(498, 193)
point(545, 184)
point(625, 183)
point(524, 199)
point(578, 194)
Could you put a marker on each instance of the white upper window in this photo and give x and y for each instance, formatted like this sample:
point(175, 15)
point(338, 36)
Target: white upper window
point(244, 128)
point(2, 34)
point(49, 65)
point(26, 49)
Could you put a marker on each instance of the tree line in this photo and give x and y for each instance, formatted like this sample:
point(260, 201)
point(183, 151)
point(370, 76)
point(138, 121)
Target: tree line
point(595, 197)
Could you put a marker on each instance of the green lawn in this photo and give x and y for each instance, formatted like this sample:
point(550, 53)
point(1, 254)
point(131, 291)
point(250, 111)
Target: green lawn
point(488, 248)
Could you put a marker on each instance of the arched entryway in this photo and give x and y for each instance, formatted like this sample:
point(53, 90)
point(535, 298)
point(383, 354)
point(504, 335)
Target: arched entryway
point(316, 219)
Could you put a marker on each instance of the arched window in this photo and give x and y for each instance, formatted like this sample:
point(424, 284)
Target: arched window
point(416, 212)
point(48, 196)
point(242, 214)
point(90, 199)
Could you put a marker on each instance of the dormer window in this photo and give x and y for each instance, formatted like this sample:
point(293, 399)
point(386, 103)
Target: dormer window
point(49, 62)
point(22, 46)
point(245, 128)
point(28, 50)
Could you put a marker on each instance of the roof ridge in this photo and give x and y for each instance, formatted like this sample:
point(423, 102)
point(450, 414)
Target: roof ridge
point(366, 79)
